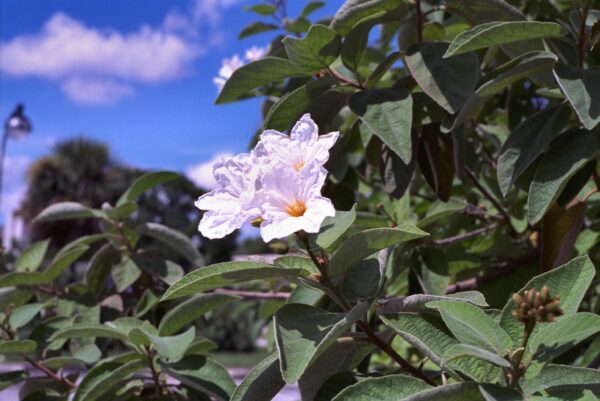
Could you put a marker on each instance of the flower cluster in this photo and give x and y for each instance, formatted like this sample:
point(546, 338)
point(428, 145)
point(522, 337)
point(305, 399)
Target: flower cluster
point(278, 182)
point(229, 65)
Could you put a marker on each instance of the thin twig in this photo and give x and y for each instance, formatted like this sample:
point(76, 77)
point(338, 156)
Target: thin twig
point(254, 294)
point(155, 376)
point(486, 194)
point(419, 17)
point(464, 236)
point(581, 40)
point(498, 271)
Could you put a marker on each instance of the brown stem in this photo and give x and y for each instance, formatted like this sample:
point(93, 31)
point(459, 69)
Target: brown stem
point(339, 298)
point(517, 370)
point(464, 236)
point(499, 271)
point(254, 294)
point(419, 17)
point(155, 378)
point(581, 42)
point(486, 194)
point(37, 364)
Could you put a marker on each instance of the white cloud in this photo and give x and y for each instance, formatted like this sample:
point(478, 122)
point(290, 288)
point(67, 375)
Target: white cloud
point(96, 90)
point(100, 65)
point(66, 47)
point(211, 10)
point(202, 174)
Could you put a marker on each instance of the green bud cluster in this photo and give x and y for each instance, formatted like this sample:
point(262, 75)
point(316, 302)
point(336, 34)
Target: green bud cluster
point(538, 306)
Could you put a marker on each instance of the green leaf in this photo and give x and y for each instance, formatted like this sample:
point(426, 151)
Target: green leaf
point(144, 183)
point(224, 274)
point(333, 228)
point(304, 332)
point(9, 378)
point(203, 374)
point(311, 7)
point(363, 244)
point(524, 66)
point(570, 281)
point(451, 392)
point(388, 114)
point(23, 279)
point(103, 377)
point(32, 257)
point(122, 211)
point(567, 155)
point(342, 356)
point(292, 105)
point(432, 271)
point(554, 339)
point(450, 82)
point(263, 382)
point(317, 50)
point(352, 12)
point(262, 9)
point(87, 331)
point(257, 74)
point(498, 33)
point(99, 268)
point(256, 28)
point(355, 45)
point(440, 210)
point(173, 347)
point(561, 377)
point(391, 387)
point(418, 302)
point(125, 273)
point(88, 353)
point(362, 282)
point(17, 346)
point(580, 87)
point(462, 350)
point(471, 325)
point(430, 336)
point(190, 310)
point(64, 259)
point(24, 314)
point(175, 239)
point(66, 211)
point(527, 141)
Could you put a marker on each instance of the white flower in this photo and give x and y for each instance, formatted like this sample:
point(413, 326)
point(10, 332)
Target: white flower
point(229, 65)
point(298, 150)
point(255, 53)
point(236, 201)
point(293, 201)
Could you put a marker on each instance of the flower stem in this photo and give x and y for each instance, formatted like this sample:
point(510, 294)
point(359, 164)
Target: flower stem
point(517, 369)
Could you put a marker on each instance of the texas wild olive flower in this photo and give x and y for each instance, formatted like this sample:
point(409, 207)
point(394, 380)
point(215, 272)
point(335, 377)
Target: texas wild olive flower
point(300, 149)
point(255, 53)
point(279, 183)
point(236, 200)
point(292, 201)
point(228, 67)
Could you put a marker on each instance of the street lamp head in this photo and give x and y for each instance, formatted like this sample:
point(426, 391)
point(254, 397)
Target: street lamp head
point(17, 125)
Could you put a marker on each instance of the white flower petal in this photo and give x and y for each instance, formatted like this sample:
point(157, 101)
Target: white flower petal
point(305, 129)
point(217, 224)
point(280, 226)
point(217, 199)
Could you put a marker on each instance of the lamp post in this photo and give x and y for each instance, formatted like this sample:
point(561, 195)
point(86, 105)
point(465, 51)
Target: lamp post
point(16, 126)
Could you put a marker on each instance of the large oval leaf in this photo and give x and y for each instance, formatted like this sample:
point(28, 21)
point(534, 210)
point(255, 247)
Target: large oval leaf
point(224, 274)
point(498, 33)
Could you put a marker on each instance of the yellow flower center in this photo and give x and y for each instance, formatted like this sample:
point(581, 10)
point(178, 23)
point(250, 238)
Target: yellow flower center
point(296, 208)
point(298, 165)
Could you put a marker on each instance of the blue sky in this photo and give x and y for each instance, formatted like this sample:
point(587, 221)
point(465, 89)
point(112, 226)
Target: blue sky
point(136, 74)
